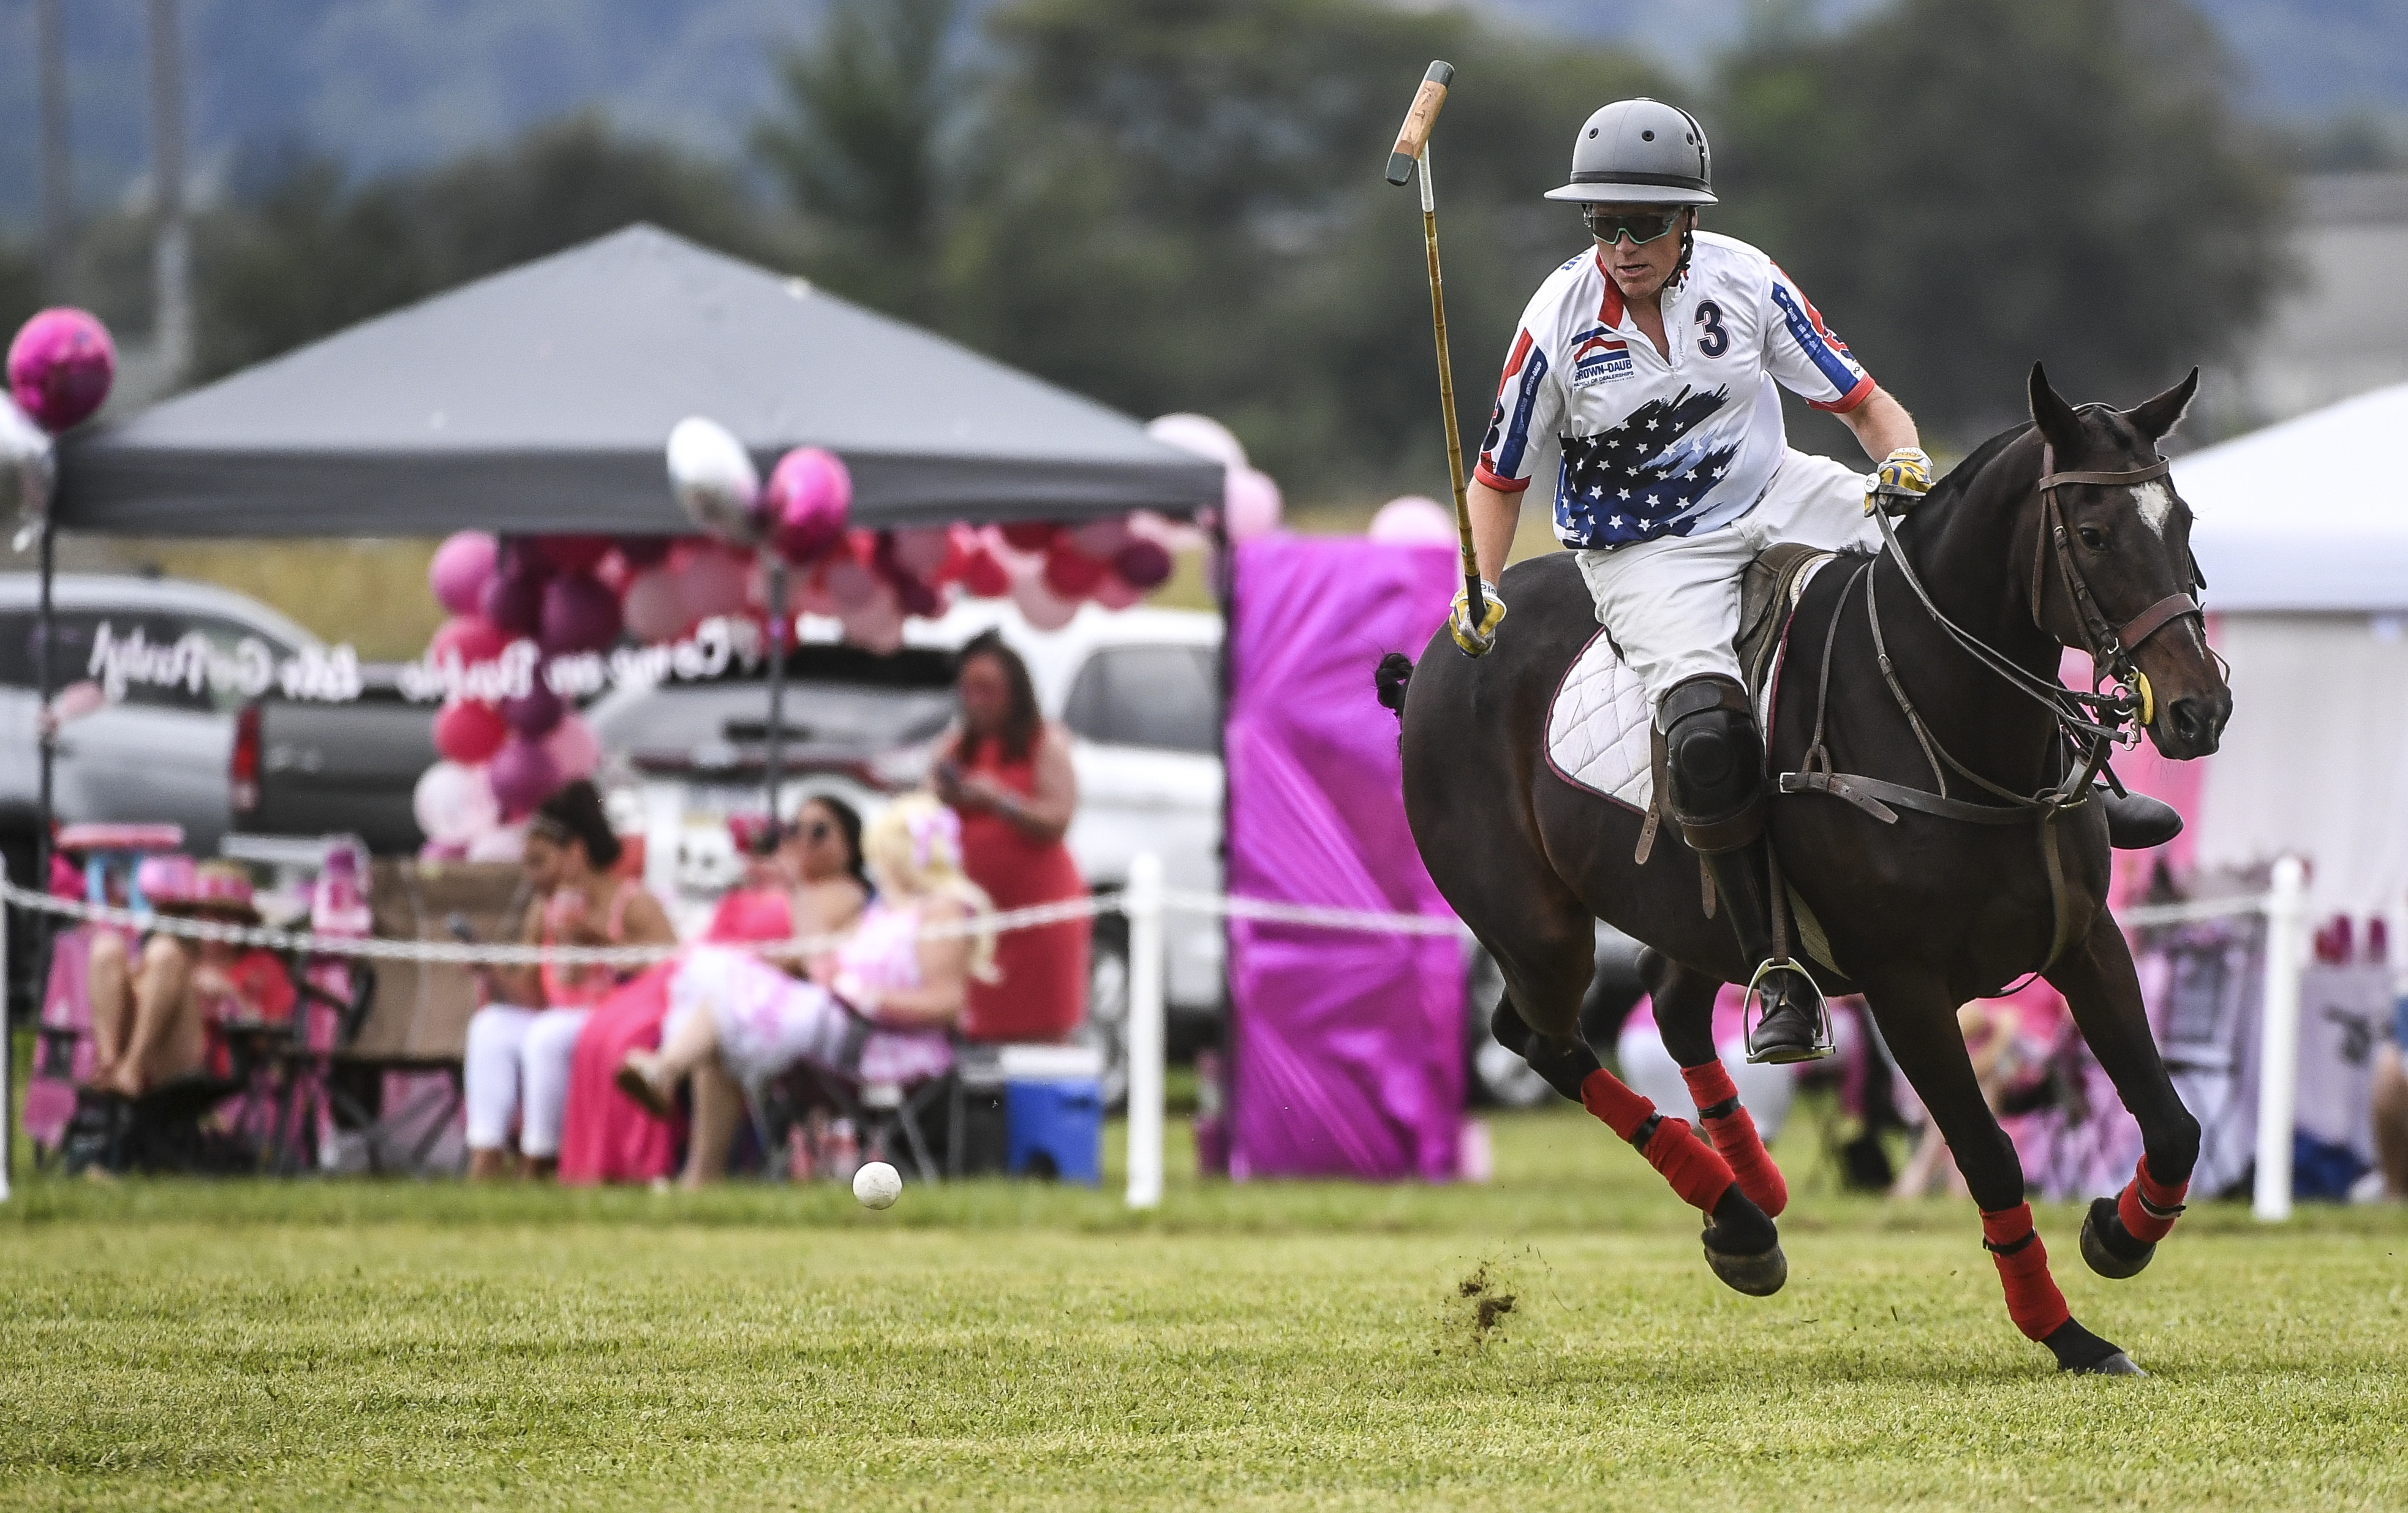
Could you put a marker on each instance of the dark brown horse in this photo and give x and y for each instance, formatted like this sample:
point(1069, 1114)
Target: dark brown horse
point(1922, 910)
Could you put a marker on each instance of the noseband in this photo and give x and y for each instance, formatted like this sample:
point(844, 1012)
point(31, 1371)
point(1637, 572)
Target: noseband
point(2110, 646)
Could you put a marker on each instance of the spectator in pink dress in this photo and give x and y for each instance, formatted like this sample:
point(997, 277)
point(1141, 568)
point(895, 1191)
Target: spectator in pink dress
point(878, 1009)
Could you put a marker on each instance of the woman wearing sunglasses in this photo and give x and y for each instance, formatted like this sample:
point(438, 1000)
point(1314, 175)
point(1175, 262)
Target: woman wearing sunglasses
point(1642, 382)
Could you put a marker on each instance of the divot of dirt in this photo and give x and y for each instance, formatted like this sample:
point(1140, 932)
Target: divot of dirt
point(1479, 1306)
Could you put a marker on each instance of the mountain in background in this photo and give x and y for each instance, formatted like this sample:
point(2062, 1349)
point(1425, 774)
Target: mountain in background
point(384, 83)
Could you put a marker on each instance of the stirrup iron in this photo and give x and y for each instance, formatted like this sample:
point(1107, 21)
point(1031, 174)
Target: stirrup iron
point(1751, 1014)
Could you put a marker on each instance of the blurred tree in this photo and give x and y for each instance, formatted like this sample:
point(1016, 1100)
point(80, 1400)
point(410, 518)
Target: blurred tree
point(859, 147)
point(1967, 185)
point(300, 253)
point(1188, 213)
point(21, 285)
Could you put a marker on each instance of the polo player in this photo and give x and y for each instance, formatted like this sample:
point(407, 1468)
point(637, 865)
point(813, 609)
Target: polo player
point(1642, 376)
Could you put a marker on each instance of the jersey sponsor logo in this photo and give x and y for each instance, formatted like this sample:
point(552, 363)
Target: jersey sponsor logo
point(1599, 357)
point(1508, 430)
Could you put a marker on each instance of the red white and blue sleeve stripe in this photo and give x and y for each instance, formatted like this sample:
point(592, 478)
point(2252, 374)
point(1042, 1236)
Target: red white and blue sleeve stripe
point(1807, 357)
point(1505, 452)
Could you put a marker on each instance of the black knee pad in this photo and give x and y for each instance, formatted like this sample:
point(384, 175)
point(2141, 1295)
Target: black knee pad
point(1713, 749)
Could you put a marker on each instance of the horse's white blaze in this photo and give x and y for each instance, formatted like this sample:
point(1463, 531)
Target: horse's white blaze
point(2157, 503)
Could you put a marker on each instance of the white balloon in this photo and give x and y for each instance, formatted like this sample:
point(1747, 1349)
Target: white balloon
point(1199, 435)
point(654, 609)
point(714, 479)
point(506, 843)
point(1039, 605)
point(1252, 506)
point(1413, 520)
point(454, 804)
point(29, 469)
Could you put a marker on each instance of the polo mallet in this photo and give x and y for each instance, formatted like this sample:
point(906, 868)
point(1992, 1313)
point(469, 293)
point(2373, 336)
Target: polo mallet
point(1412, 153)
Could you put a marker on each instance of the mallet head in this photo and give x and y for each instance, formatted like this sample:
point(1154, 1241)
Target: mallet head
point(1415, 135)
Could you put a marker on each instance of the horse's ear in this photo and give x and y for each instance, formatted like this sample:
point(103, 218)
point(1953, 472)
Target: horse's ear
point(2153, 418)
point(2059, 425)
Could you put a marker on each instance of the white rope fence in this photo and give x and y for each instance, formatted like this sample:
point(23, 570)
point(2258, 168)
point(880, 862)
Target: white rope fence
point(1146, 901)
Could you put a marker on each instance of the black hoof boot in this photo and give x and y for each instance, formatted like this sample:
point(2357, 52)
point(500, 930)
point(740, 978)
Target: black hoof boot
point(2136, 821)
point(2108, 1247)
point(1743, 1248)
point(2084, 1354)
point(1792, 1027)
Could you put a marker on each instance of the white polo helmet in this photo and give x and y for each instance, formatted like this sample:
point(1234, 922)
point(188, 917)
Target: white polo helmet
point(1641, 151)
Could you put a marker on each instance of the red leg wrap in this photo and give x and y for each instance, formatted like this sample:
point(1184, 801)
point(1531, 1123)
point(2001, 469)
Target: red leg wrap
point(2144, 1192)
point(1603, 1094)
point(2033, 1301)
point(1697, 1173)
point(1734, 1134)
point(1695, 1170)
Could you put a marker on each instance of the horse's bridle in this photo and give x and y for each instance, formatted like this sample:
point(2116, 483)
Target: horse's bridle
point(2110, 646)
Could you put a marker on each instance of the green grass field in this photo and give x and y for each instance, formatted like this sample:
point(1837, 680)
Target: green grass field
point(1277, 1344)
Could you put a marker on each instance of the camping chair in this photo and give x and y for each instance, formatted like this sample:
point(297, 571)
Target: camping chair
point(892, 1119)
point(394, 1071)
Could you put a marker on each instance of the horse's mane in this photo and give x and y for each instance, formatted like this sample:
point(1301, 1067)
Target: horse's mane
point(1962, 476)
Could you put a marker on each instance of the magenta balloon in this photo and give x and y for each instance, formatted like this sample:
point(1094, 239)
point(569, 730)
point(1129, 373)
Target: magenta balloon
point(513, 602)
point(808, 500)
point(644, 550)
point(535, 715)
point(572, 554)
point(524, 775)
point(579, 615)
point(1114, 592)
point(468, 732)
point(60, 367)
point(1142, 563)
point(461, 568)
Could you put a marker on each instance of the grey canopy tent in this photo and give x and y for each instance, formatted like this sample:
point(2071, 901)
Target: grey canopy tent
point(539, 400)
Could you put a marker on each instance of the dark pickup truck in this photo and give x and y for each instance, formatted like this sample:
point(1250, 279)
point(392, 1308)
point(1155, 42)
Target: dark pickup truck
point(306, 768)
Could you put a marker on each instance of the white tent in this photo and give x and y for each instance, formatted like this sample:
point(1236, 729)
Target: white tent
point(2301, 531)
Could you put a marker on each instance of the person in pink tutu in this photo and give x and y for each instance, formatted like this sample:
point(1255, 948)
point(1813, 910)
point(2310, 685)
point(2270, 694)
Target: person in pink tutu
point(877, 1009)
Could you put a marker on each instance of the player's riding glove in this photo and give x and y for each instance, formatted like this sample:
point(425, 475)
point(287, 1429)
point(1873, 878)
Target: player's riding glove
point(1475, 639)
point(1903, 477)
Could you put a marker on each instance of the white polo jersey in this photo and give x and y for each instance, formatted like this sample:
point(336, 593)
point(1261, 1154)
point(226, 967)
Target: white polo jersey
point(1647, 444)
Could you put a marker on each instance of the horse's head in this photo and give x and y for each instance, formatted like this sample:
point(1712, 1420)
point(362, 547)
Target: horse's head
point(2113, 572)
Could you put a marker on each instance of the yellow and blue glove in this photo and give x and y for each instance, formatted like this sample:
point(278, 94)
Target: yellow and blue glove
point(1475, 639)
point(1903, 477)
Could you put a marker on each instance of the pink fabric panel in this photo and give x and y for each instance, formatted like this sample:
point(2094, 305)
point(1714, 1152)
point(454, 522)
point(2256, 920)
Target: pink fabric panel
point(1347, 1046)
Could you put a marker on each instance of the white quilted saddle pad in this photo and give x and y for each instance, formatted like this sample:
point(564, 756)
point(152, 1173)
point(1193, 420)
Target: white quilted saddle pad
point(1597, 727)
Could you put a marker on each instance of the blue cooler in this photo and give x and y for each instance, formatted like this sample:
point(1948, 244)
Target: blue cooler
point(1053, 1111)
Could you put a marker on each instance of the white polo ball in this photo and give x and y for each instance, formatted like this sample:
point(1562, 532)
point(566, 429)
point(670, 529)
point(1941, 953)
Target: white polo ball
point(878, 1185)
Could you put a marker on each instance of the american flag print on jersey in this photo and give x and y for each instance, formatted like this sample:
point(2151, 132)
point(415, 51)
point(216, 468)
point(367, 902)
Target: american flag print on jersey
point(1644, 477)
point(1646, 441)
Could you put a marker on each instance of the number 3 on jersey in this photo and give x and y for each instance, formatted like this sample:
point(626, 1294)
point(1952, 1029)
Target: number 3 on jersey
point(1713, 340)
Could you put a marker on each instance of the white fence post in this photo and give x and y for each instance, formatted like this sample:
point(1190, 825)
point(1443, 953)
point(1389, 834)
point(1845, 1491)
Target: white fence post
point(2278, 1037)
point(1143, 902)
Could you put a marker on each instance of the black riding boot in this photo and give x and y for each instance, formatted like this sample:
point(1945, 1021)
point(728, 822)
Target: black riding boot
point(1715, 759)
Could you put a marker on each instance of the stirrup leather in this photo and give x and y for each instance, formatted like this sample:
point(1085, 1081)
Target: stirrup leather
point(1751, 1013)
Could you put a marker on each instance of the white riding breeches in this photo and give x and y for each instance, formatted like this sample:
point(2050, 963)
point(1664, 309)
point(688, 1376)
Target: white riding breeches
point(511, 1048)
point(1672, 604)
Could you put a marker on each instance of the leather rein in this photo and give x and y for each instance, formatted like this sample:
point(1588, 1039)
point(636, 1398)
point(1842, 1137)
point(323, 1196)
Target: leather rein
point(2093, 723)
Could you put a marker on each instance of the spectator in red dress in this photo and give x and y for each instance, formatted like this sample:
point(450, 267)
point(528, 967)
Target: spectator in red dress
point(1006, 770)
point(151, 1016)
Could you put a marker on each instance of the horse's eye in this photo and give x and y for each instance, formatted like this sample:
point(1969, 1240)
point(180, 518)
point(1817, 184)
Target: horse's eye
point(2092, 536)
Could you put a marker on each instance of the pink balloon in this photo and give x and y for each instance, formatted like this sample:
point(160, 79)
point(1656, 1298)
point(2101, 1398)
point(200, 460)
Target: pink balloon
point(574, 748)
point(524, 776)
point(850, 583)
point(472, 638)
point(641, 551)
point(1200, 435)
point(710, 583)
point(1114, 592)
point(983, 576)
point(1100, 539)
point(876, 625)
point(1413, 520)
point(502, 843)
point(811, 596)
point(1039, 605)
point(579, 615)
point(1252, 501)
point(60, 367)
point(921, 550)
point(454, 804)
point(653, 609)
point(535, 715)
point(807, 501)
point(1143, 564)
point(460, 569)
point(512, 602)
point(469, 732)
